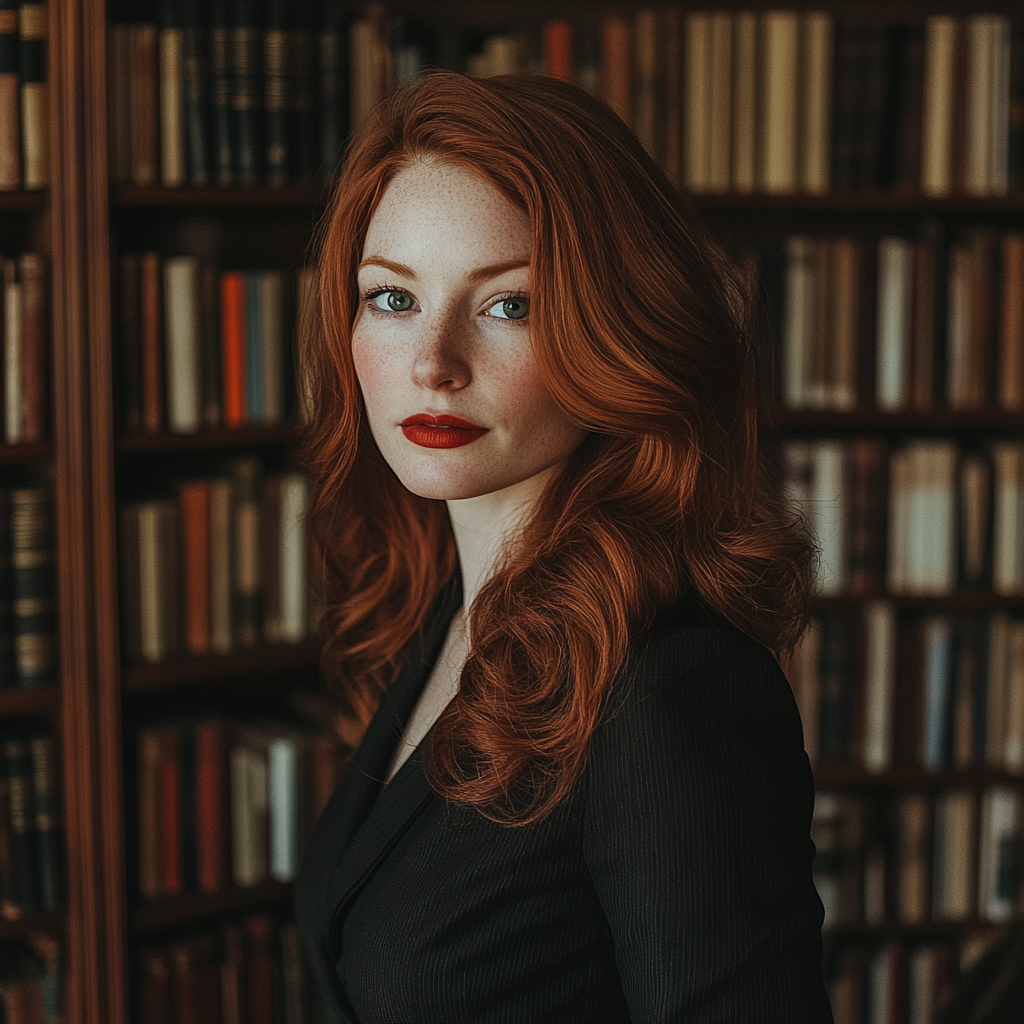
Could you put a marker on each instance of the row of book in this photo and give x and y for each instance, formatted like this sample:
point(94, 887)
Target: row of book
point(251, 971)
point(786, 101)
point(952, 855)
point(221, 565)
point(224, 803)
point(24, 98)
point(32, 980)
point(944, 322)
point(934, 691)
point(31, 844)
point(28, 614)
point(24, 346)
point(891, 982)
point(925, 517)
point(202, 347)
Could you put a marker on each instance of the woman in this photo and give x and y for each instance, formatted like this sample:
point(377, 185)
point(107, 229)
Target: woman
point(559, 568)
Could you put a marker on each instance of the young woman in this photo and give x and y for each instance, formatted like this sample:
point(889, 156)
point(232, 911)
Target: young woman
point(559, 571)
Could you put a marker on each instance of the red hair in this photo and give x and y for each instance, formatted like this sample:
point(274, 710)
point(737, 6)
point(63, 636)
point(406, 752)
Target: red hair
point(642, 329)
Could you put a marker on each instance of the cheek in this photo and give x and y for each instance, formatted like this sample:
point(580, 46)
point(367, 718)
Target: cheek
point(375, 371)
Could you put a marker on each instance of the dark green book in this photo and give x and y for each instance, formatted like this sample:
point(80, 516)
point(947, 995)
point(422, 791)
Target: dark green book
point(277, 91)
point(49, 834)
point(220, 94)
point(332, 66)
point(246, 52)
point(17, 768)
point(32, 586)
point(196, 86)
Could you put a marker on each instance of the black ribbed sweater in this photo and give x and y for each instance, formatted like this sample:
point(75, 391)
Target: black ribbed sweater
point(675, 885)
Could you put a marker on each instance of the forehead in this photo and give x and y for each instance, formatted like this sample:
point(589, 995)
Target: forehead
point(437, 208)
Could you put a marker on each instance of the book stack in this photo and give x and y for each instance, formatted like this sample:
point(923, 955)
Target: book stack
point(25, 349)
point(945, 321)
point(31, 843)
point(24, 99)
point(223, 803)
point(202, 348)
point(221, 566)
point(783, 101)
point(28, 627)
point(929, 517)
point(252, 971)
point(960, 698)
point(31, 980)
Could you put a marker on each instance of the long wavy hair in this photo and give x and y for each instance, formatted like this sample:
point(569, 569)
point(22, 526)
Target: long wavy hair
point(642, 329)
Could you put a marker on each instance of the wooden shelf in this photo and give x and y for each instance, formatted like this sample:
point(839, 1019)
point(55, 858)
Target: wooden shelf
point(912, 777)
point(923, 932)
point(250, 435)
point(926, 422)
point(26, 454)
point(29, 700)
point(31, 923)
point(888, 201)
point(258, 663)
point(196, 908)
point(290, 197)
point(21, 201)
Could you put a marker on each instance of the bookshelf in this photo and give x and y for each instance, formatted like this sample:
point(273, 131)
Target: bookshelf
point(87, 218)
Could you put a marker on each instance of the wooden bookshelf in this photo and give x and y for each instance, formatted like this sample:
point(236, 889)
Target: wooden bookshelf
point(38, 700)
point(201, 908)
point(259, 436)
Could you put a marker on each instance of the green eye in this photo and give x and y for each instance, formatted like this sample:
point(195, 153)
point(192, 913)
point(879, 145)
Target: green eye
point(392, 301)
point(517, 308)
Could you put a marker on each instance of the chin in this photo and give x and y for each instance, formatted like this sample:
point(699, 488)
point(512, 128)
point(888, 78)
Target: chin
point(446, 486)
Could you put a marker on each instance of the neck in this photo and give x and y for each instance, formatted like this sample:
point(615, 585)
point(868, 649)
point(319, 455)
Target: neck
point(487, 525)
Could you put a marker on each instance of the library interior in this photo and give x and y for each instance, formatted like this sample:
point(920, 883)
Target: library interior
point(166, 741)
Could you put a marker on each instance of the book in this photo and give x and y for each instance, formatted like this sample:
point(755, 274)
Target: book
point(1008, 513)
point(616, 66)
point(244, 39)
point(720, 102)
point(32, 408)
point(195, 982)
point(817, 34)
point(975, 509)
point(798, 320)
point(169, 812)
point(954, 879)
point(210, 346)
point(33, 587)
point(828, 514)
point(840, 672)
point(254, 338)
point(1011, 323)
point(247, 591)
point(972, 321)
point(868, 472)
point(13, 316)
point(234, 333)
point(744, 106)
point(996, 690)
point(194, 501)
point(170, 44)
point(937, 720)
point(119, 104)
point(332, 84)
point(367, 59)
point(10, 99)
point(557, 47)
point(221, 571)
point(48, 831)
point(913, 820)
point(151, 302)
point(1013, 702)
point(17, 768)
point(278, 77)
point(143, 104)
point(221, 71)
point(270, 344)
point(261, 988)
point(294, 547)
point(924, 323)
point(247, 761)
point(940, 62)
point(182, 344)
point(211, 804)
point(879, 684)
point(35, 98)
point(780, 83)
point(150, 877)
point(304, 141)
point(894, 323)
point(1000, 856)
point(647, 80)
point(195, 87)
point(128, 367)
point(8, 674)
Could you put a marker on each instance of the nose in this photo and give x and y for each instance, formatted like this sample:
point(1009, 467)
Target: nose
point(440, 362)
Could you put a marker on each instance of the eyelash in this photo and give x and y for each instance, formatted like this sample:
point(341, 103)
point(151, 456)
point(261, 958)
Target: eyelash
point(380, 289)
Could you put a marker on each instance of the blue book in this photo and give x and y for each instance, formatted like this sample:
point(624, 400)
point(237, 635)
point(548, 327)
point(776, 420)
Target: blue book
point(938, 693)
point(253, 349)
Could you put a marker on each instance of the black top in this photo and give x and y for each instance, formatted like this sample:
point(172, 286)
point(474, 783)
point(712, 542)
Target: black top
point(675, 885)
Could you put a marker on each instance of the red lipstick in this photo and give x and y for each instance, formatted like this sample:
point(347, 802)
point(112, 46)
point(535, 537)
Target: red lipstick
point(442, 431)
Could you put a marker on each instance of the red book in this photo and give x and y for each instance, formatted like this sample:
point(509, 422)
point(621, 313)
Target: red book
point(259, 940)
point(152, 345)
point(170, 811)
point(558, 50)
point(233, 332)
point(33, 347)
point(194, 498)
point(154, 986)
point(211, 804)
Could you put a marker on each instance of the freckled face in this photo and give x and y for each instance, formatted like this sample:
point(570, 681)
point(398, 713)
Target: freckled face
point(441, 342)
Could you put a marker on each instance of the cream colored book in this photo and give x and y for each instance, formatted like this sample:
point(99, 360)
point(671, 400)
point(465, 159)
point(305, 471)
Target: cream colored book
point(998, 900)
point(879, 684)
point(181, 344)
point(1007, 533)
point(744, 102)
point(829, 514)
point(780, 36)
point(798, 321)
point(172, 106)
point(1013, 733)
point(937, 119)
point(893, 329)
point(954, 861)
point(720, 103)
point(817, 32)
point(697, 103)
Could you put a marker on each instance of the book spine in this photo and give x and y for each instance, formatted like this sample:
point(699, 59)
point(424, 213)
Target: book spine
point(24, 861)
point(143, 100)
point(1011, 323)
point(158, 596)
point(13, 311)
point(294, 556)
point(130, 573)
point(817, 32)
point(221, 568)
point(233, 338)
point(271, 347)
point(697, 101)
point(270, 550)
point(874, 99)
point(779, 92)
point(829, 500)
point(305, 134)
point(150, 845)
point(194, 499)
point(868, 506)
point(247, 598)
point(647, 81)
point(33, 347)
point(253, 349)
point(1015, 109)
point(35, 100)
point(220, 94)
point(210, 346)
point(172, 880)
point(261, 988)
point(557, 43)
point(182, 337)
point(211, 806)
point(283, 780)
point(119, 103)
point(879, 688)
point(846, 104)
point(8, 675)
point(32, 584)
point(189, 807)
point(923, 304)
point(246, 51)
point(152, 343)
point(172, 97)
point(617, 66)
point(10, 86)
point(940, 58)
point(49, 848)
point(893, 330)
point(798, 320)
point(129, 365)
point(331, 86)
point(670, 29)
point(907, 118)
point(278, 71)
point(720, 103)
point(195, 74)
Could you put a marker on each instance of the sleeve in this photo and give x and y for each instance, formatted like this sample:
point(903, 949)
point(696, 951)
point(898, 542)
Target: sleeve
point(697, 836)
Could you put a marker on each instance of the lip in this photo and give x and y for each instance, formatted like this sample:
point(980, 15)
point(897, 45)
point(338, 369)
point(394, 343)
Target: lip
point(441, 431)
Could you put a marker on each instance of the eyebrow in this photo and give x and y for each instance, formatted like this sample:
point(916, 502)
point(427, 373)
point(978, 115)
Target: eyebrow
point(480, 274)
